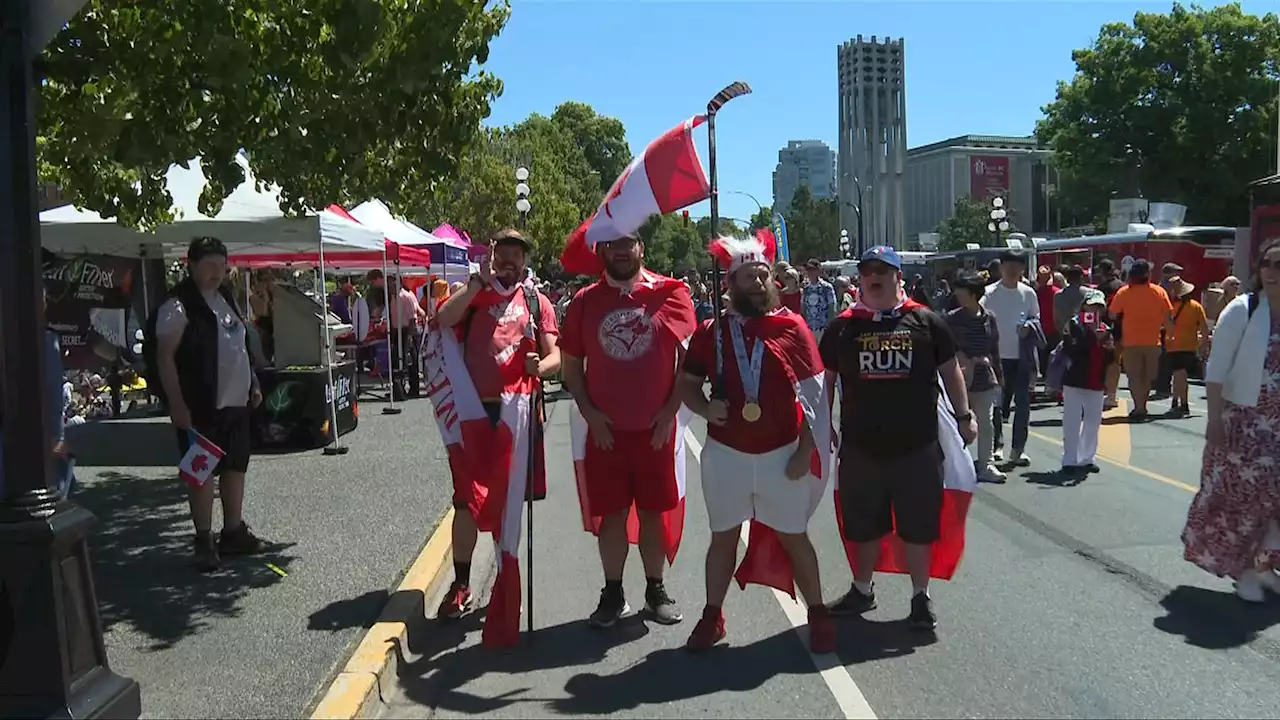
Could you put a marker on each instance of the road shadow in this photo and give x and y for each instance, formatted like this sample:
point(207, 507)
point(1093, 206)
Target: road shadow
point(1045, 423)
point(361, 611)
point(1054, 478)
point(1215, 620)
point(141, 556)
point(861, 640)
point(124, 443)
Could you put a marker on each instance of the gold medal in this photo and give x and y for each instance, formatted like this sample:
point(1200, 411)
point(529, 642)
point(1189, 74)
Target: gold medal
point(751, 412)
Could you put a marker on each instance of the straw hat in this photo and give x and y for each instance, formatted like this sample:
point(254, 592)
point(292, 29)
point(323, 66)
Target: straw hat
point(1181, 288)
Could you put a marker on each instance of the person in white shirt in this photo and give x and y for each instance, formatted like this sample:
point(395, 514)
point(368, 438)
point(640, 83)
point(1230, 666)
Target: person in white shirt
point(1016, 308)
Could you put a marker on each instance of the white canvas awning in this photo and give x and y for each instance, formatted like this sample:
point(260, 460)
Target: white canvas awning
point(250, 221)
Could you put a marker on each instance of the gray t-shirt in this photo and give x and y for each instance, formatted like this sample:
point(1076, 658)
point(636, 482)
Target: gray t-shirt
point(235, 373)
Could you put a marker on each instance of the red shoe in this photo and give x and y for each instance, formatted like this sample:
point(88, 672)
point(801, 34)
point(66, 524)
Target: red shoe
point(708, 631)
point(457, 602)
point(822, 630)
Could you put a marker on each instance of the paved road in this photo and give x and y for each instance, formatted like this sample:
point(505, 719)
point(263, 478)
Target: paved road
point(1072, 602)
point(247, 642)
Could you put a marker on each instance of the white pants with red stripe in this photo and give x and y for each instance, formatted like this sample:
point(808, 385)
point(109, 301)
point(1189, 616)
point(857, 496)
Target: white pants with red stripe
point(738, 486)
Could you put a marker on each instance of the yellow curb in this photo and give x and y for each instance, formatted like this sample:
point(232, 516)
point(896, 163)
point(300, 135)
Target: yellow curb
point(356, 689)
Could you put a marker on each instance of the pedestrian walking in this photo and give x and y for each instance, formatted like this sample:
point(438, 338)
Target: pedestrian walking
point(1230, 526)
point(1089, 350)
point(978, 350)
point(1016, 308)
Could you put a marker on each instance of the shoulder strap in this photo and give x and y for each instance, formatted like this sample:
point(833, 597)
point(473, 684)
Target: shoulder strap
point(1254, 301)
point(535, 308)
point(1182, 304)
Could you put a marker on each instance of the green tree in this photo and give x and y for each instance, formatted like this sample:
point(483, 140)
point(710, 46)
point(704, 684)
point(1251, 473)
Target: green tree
point(1180, 106)
point(968, 224)
point(813, 227)
point(763, 218)
point(332, 101)
point(603, 141)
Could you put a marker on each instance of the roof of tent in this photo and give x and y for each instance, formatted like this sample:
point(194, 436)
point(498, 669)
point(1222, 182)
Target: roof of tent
point(250, 220)
point(376, 214)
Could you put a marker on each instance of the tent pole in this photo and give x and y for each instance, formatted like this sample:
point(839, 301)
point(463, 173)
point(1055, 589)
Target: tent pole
point(336, 447)
point(389, 409)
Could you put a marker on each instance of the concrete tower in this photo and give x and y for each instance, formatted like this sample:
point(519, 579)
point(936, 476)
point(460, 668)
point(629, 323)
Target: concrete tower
point(873, 138)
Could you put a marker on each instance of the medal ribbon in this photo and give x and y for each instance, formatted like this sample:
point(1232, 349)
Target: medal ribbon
point(748, 366)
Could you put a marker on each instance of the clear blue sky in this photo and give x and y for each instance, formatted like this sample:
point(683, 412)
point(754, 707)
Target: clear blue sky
point(972, 67)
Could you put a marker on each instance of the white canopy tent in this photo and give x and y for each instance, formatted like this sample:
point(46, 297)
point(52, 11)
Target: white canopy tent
point(250, 221)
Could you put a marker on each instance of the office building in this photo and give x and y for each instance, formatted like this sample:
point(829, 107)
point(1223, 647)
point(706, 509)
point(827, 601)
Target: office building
point(873, 138)
point(803, 162)
point(977, 167)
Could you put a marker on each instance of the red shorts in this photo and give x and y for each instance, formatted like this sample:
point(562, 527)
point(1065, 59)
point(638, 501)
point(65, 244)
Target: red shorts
point(632, 471)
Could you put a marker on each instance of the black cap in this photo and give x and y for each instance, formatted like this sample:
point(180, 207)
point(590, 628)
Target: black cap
point(510, 236)
point(1171, 268)
point(204, 246)
point(1140, 269)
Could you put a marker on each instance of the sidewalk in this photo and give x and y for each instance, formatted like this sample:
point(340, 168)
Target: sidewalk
point(250, 641)
point(636, 669)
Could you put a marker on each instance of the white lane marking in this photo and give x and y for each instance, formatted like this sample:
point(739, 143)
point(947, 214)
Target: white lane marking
point(848, 696)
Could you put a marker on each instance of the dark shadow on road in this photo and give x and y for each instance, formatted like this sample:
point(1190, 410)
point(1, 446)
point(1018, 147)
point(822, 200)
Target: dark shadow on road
point(116, 443)
point(438, 679)
point(361, 611)
point(141, 555)
point(1215, 620)
point(1054, 478)
point(1045, 423)
point(862, 640)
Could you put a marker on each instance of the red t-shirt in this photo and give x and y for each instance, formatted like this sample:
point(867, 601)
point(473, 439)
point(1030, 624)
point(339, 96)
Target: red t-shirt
point(779, 423)
point(791, 301)
point(629, 345)
point(494, 351)
point(1045, 293)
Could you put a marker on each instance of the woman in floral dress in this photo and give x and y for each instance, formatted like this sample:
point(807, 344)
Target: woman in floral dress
point(1232, 524)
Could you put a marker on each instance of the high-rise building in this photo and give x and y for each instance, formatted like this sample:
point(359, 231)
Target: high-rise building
point(803, 162)
point(873, 138)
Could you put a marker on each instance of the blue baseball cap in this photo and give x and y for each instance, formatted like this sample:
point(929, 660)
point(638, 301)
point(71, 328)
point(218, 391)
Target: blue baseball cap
point(884, 254)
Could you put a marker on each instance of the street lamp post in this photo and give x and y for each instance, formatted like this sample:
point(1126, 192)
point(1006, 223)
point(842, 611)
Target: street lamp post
point(844, 244)
point(53, 662)
point(522, 194)
point(857, 210)
point(999, 218)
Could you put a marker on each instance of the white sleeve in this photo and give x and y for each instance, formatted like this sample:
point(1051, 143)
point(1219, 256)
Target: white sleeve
point(1033, 303)
point(1227, 335)
point(172, 319)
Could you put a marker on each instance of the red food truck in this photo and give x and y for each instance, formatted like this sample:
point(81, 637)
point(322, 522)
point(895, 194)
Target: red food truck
point(1206, 254)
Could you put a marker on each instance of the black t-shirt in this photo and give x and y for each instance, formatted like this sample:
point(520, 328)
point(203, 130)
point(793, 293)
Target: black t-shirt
point(889, 372)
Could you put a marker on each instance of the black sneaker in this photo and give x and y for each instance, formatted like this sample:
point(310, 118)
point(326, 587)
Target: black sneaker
point(240, 541)
point(853, 603)
point(613, 605)
point(658, 603)
point(922, 617)
point(205, 553)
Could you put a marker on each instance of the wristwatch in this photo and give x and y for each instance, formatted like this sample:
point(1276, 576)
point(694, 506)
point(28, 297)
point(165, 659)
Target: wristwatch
point(965, 417)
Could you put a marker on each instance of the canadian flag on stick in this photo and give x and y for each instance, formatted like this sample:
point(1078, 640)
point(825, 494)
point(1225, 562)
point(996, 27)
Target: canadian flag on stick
point(198, 464)
point(666, 177)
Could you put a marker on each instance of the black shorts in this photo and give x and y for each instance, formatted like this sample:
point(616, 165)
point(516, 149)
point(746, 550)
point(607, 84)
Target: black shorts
point(1184, 360)
point(901, 493)
point(229, 430)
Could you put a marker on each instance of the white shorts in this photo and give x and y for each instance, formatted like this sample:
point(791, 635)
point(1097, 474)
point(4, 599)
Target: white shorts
point(738, 486)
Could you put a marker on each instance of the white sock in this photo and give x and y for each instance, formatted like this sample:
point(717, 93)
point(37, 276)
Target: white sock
point(862, 587)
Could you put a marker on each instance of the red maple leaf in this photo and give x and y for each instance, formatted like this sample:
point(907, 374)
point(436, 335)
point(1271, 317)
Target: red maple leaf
point(200, 463)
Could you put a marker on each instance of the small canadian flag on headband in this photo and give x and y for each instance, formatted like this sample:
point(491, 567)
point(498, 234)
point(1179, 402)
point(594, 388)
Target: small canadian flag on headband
point(732, 253)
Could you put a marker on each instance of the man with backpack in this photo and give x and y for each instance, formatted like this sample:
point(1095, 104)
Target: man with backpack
point(496, 319)
point(198, 363)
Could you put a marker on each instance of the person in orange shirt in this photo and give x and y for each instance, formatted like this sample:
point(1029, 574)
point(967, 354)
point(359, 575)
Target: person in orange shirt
point(1142, 309)
point(1186, 343)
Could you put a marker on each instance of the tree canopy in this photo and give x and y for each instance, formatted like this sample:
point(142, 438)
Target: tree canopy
point(1175, 107)
point(573, 157)
point(332, 100)
point(968, 224)
point(813, 227)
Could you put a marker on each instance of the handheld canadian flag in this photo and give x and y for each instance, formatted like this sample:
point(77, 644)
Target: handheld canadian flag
point(666, 177)
point(201, 460)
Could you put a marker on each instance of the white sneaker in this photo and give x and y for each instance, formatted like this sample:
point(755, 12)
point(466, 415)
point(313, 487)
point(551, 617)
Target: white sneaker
point(1018, 459)
point(1250, 587)
point(992, 474)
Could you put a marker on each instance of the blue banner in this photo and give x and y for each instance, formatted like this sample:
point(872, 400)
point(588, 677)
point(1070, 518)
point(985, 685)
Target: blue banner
point(780, 232)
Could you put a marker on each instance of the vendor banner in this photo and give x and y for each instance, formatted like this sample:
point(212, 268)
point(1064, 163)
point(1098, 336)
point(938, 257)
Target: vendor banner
point(89, 302)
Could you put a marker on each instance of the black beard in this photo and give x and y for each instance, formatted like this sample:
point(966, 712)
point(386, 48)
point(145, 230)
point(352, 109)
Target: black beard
point(754, 304)
point(620, 272)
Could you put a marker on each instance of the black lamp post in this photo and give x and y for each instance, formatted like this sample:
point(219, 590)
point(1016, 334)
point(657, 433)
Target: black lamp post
point(522, 194)
point(52, 659)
